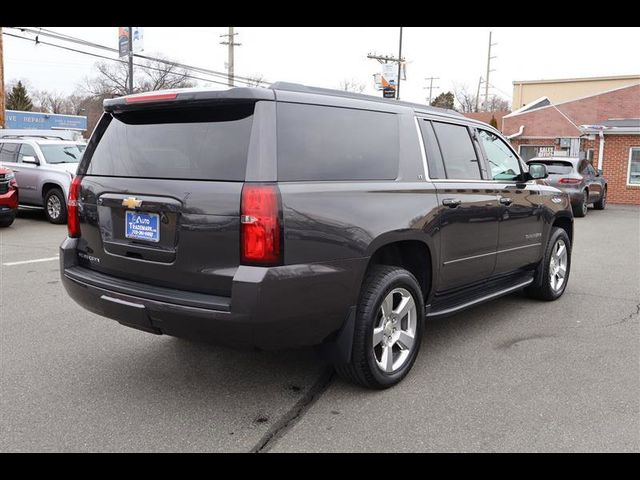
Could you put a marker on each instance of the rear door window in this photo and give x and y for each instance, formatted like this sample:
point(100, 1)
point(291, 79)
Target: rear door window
point(196, 143)
point(460, 159)
point(9, 152)
point(329, 143)
point(432, 150)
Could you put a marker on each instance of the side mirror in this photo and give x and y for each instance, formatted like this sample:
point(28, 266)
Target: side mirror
point(30, 159)
point(537, 171)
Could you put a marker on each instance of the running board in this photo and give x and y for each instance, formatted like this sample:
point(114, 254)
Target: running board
point(485, 298)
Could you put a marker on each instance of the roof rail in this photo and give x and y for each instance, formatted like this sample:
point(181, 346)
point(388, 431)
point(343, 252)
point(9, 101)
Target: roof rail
point(46, 137)
point(298, 87)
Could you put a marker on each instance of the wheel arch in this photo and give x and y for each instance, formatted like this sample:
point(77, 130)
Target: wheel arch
point(411, 252)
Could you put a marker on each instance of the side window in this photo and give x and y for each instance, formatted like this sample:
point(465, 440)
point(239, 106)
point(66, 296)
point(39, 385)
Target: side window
point(432, 150)
point(582, 167)
point(460, 160)
point(590, 169)
point(9, 152)
point(26, 151)
point(317, 143)
point(503, 162)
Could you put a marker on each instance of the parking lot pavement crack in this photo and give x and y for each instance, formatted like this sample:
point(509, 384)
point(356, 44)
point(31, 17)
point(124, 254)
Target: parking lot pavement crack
point(279, 428)
point(628, 318)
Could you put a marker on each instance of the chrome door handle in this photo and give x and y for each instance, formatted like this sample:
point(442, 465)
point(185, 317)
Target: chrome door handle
point(506, 201)
point(451, 202)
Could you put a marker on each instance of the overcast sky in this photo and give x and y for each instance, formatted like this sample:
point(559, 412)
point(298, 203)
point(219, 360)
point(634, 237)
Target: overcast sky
point(323, 56)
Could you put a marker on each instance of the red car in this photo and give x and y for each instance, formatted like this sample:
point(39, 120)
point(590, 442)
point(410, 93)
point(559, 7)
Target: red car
point(8, 197)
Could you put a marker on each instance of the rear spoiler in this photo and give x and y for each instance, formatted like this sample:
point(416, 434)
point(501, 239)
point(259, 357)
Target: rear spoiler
point(187, 95)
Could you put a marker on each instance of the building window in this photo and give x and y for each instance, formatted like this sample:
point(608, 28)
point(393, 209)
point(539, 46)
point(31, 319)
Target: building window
point(590, 155)
point(633, 175)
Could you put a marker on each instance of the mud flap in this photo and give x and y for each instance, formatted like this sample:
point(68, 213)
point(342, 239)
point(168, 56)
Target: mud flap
point(339, 350)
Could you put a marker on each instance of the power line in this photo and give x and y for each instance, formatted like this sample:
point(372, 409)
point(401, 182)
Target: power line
point(70, 38)
point(186, 75)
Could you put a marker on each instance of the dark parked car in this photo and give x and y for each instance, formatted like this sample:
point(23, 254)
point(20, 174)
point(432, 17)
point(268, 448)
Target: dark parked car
point(579, 179)
point(292, 216)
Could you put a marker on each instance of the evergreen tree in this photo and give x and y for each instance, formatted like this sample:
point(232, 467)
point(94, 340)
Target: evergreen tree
point(18, 99)
point(444, 100)
point(493, 122)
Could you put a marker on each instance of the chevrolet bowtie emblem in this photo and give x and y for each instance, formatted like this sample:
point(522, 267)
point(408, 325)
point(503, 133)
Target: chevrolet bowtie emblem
point(131, 202)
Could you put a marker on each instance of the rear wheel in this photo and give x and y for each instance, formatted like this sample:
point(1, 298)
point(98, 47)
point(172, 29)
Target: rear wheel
point(600, 204)
point(553, 271)
point(388, 330)
point(582, 209)
point(55, 207)
point(7, 220)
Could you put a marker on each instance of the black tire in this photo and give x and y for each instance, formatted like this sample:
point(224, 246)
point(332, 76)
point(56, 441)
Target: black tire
point(53, 195)
point(600, 204)
point(7, 220)
point(581, 209)
point(542, 288)
point(363, 368)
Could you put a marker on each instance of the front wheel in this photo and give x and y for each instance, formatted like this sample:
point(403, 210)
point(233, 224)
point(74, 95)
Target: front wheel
point(553, 271)
point(388, 329)
point(55, 207)
point(7, 220)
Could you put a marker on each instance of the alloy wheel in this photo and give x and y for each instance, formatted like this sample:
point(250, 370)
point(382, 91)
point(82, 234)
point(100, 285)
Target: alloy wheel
point(558, 266)
point(394, 331)
point(54, 207)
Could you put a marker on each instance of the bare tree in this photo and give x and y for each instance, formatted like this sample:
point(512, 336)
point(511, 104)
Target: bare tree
point(51, 102)
point(113, 78)
point(465, 98)
point(468, 101)
point(352, 86)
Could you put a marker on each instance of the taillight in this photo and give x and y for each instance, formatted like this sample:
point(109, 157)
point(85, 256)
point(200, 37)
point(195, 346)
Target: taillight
point(260, 225)
point(73, 222)
point(571, 181)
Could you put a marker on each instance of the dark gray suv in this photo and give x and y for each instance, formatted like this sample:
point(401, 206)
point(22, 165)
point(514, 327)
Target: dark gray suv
point(292, 216)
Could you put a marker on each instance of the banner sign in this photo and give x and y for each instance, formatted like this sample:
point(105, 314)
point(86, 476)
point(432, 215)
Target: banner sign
point(47, 121)
point(123, 41)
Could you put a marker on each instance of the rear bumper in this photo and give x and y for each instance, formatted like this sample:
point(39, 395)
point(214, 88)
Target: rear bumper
point(270, 308)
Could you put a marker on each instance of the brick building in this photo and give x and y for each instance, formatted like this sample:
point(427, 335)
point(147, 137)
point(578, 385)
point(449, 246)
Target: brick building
point(603, 127)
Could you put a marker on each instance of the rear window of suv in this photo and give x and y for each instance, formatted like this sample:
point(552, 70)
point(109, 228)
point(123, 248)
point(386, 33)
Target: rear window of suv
point(195, 143)
point(329, 143)
point(555, 167)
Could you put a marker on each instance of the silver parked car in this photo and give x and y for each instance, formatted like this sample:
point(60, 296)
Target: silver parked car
point(579, 179)
point(44, 168)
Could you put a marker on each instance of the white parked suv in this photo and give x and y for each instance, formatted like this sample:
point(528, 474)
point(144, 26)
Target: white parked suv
point(44, 168)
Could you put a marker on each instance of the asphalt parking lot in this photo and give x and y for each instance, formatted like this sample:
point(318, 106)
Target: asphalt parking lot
point(511, 375)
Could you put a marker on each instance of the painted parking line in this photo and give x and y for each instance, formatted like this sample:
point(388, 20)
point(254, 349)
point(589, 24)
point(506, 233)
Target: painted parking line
point(24, 262)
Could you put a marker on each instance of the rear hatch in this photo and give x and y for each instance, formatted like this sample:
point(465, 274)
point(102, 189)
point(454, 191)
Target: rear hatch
point(160, 195)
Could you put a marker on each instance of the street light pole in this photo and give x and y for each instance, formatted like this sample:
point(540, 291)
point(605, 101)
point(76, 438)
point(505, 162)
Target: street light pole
point(399, 66)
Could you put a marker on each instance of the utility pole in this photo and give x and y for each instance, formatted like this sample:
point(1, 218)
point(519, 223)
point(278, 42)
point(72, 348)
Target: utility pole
point(399, 66)
point(2, 104)
point(431, 87)
point(130, 60)
point(486, 85)
point(478, 95)
point(231, 43)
